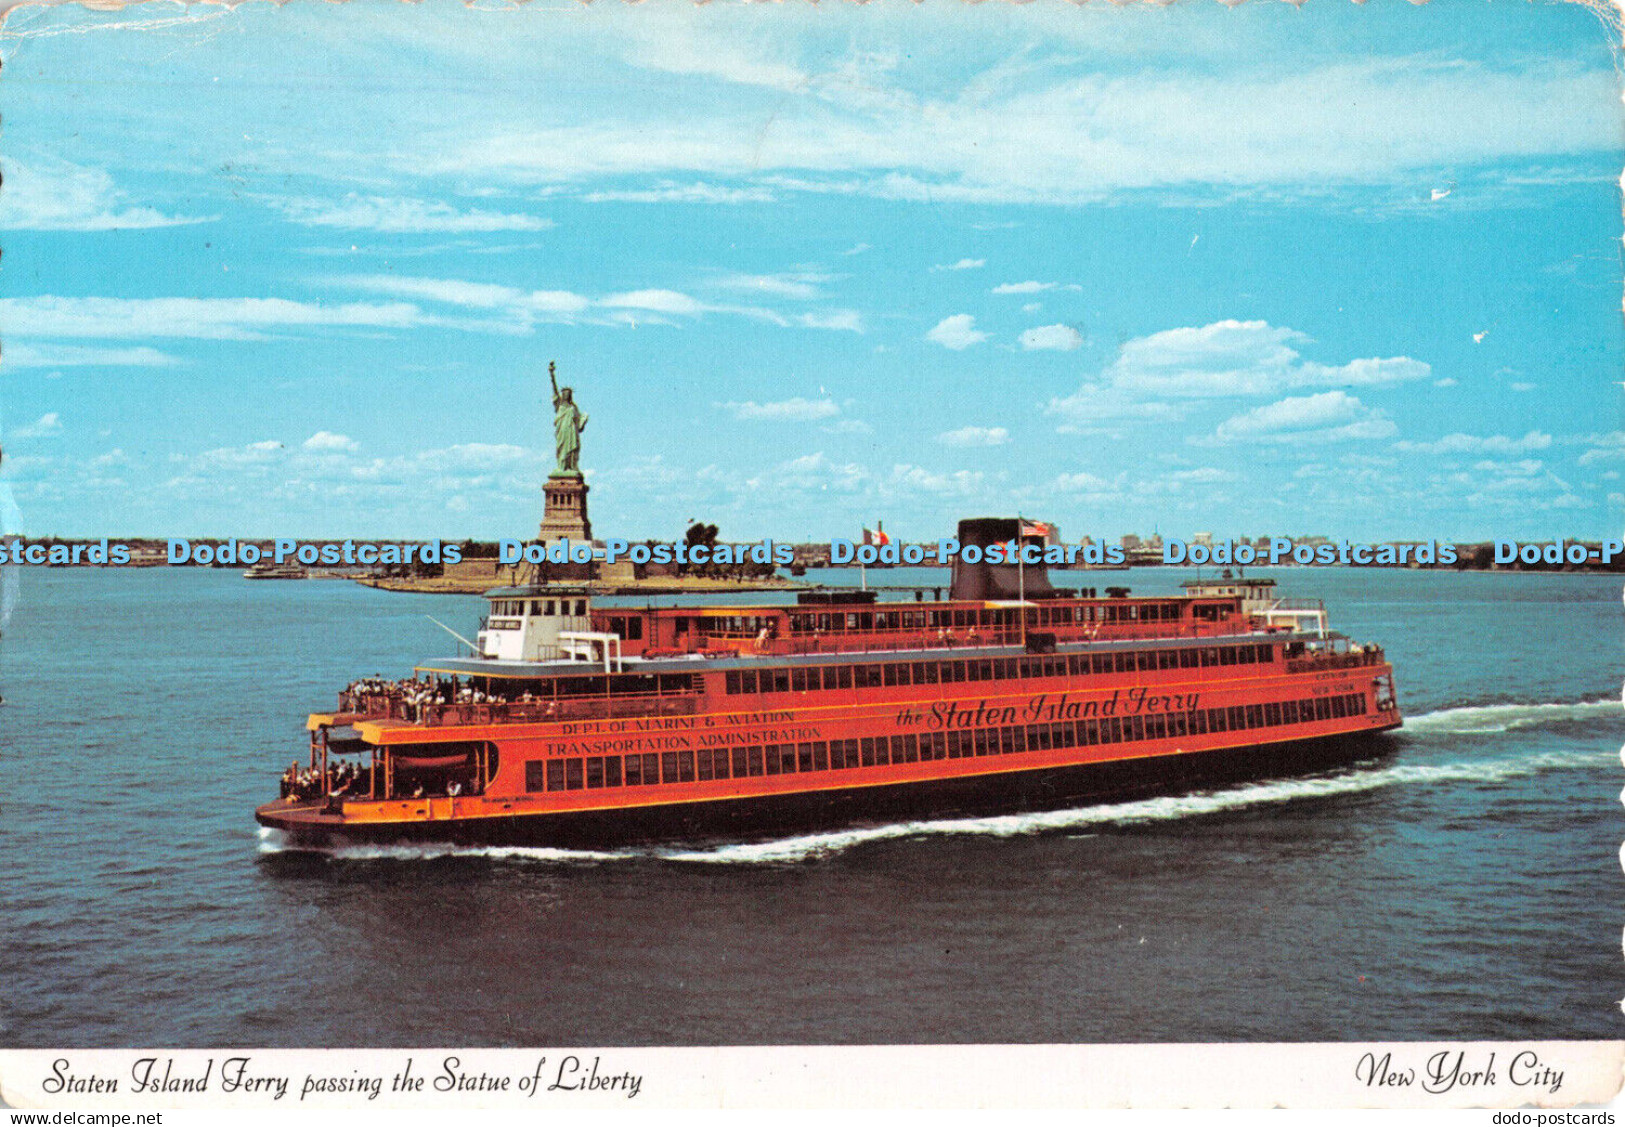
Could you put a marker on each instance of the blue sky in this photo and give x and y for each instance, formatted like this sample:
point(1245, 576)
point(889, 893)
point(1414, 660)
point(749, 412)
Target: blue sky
point(1343, 269)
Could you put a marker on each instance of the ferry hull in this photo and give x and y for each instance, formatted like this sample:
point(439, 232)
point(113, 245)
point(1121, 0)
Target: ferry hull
point(782, 815)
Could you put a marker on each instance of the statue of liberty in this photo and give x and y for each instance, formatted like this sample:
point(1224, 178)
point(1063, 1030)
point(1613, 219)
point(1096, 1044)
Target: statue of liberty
point(568, 423)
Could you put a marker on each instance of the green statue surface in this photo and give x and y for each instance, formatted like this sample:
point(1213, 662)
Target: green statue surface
point(568, 423)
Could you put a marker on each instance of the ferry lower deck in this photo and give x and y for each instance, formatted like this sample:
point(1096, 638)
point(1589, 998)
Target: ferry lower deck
point(795, 744)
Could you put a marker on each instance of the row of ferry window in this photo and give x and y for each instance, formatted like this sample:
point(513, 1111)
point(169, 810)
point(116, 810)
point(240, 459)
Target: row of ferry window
point(516, 607)
point(944, 618)
point(595, 771)
point(802, 679)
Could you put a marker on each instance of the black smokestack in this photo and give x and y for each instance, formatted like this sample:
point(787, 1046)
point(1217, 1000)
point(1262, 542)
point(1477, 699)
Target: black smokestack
point(1001, 580)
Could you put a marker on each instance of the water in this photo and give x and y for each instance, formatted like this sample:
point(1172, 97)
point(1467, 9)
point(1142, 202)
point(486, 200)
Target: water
point(1466, 887)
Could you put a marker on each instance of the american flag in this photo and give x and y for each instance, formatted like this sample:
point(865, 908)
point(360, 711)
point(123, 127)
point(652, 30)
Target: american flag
point(1037, 528)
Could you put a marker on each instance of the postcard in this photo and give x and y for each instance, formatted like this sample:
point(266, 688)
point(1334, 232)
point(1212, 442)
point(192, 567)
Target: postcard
point(568, 556)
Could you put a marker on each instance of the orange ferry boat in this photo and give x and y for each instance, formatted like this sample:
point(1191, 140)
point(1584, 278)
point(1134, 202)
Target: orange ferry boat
point(578, 726)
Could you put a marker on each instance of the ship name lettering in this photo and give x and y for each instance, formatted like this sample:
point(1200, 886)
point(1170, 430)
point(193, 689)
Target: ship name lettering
point(1142, 700)
point(663, 725)
point(741, 718)
point(949, 714)
point(765, 736)
point(628, 743)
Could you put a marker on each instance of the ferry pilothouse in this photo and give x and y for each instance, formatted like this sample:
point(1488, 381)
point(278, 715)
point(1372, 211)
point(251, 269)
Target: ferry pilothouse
point(580, 726)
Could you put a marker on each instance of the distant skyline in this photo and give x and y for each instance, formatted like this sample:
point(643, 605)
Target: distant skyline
point(1348, 270)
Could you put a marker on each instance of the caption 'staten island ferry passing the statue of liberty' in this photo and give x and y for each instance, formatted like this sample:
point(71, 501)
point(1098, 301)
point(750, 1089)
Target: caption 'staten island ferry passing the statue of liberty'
point(578, 726)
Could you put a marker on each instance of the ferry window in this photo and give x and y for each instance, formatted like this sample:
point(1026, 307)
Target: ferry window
point(820, 756)
point(1272, 714)
point(1168, 659)
point(1289, 712)
point(1018, 739)
point(1088, 733)
point(572, 774)
point(535, 775)
point(846, 676)
point(1038, 738)
point(755, 762)
point(555, 774)
point(890, 676)
point(732, 682)
point(1136, 728)
point(668, 766)
point(595, 772)
point(1007, 741)
point(1062, 735)
point(1227, 655)
point(1238, 718)
point(634, 629)
point(740, 770)
point(787, 759)
point(634, 770)
point(911, 750)
point(704, 772)
point(781, 680)
point(651, 768)
point(1199, 723)
point(1218, 720)
point(549, 609)
point(1179, 722)
point(1359, 705)
point(617, 625)
point(1187, 658)
point(798, 680)
point(917, 673)
point(1338, 708)
point(612, 770)
point(804, 757)
point(1156, 727)
point(719, 760)
point(1245, 655)
point(927, 673)
point(685, 766)
point(1266, 653)
point(986, 668)
point(973, 671)
point(957, 748)
point(987, 742)
point(1323, 709)
point(868, 751)
point(939, 745)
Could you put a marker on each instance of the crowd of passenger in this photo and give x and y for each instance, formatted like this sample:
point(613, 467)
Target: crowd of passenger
point(303, 783)
point(423, 698)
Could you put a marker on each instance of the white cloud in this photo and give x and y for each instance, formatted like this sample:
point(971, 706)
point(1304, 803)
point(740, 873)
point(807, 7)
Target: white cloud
point(1447, 381)
point(324, 441)
point(840, 320)
point(975, 436)
point(958, 332)
point(963, 264)
point(1086, 410)
point(517, 310)
point(1328, 416)
point(1023, 287)
point(1059, 133)
point(396, 215)
point(71, 355)
point(667, 192)
point(46, 426)
point(797, 410)
point(1052, 338)
point(1521, 386)
point(1476, 444)
point(53, 195)
point(198, 318)
point(1232, 358)
point(848, 426)
point(799, 286)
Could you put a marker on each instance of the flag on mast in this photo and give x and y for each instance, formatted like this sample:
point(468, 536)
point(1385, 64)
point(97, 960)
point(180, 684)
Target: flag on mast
point(877, 537)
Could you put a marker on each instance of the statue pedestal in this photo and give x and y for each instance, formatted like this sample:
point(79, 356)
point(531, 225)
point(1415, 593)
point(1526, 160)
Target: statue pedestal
point(565, 516)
